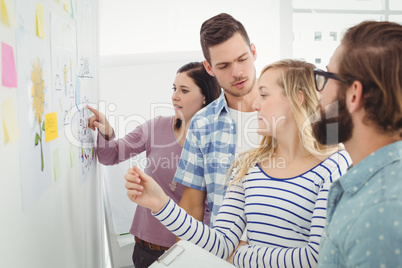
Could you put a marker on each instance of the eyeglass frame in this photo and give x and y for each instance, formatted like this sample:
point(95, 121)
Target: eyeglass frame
point(328, 75)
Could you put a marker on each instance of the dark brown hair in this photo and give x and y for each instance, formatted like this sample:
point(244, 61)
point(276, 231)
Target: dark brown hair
point(208, 84)
point(219, 29)
point(372, 54)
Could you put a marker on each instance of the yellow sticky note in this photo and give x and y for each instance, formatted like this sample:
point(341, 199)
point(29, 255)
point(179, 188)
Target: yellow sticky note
point(11, 132)
point(6, 136)
point(40, 27)
point(4, 13)
point(51, 126)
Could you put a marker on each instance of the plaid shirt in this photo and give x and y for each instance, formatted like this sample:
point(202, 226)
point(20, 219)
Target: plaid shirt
point(208, 152)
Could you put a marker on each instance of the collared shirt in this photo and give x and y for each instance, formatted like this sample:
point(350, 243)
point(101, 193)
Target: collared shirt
point(208, 152)
point(364, 214)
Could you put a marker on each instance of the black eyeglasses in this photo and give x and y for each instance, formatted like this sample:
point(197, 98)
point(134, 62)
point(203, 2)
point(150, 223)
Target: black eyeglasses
point(321, 78)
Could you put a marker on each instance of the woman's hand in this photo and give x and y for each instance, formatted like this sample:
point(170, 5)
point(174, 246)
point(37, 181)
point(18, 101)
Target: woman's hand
point(99, 121)
point(144, 190)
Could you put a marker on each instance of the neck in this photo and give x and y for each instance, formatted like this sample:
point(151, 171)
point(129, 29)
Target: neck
point(289, 146)
point(181, 132)
point(366, 140)
point(244, 103)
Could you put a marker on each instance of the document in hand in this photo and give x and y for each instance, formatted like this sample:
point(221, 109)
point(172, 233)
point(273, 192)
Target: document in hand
point(185, 254)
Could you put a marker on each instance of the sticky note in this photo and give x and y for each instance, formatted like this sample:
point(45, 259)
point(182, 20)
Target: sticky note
point(6, 136)
point(51, 126)
point(72, 10)
point(4, 13)
point(10, 126)
point(66, 5)
point(8, 70)
point(56, 164)
point(40, 27)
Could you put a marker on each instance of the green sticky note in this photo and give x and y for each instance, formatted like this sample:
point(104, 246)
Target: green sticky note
point(56, 164)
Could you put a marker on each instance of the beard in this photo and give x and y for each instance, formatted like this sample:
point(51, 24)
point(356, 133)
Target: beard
point(335, 123)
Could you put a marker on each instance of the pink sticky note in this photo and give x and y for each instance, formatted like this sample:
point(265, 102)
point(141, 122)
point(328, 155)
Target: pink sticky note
point(9, 73)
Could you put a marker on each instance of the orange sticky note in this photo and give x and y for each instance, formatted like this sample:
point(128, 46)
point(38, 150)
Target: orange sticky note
point(4, 13)
point(40, 27)
point(8, 71)
point(10, 126)
point(51, 126)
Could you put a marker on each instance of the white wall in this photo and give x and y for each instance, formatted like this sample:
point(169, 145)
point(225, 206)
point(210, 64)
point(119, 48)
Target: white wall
point(137, 27)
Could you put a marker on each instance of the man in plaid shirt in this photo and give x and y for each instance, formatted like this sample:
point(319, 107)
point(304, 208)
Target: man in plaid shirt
point(224, 128)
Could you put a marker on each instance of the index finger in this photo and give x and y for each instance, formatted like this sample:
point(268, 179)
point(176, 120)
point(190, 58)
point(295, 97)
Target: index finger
point(96, 112)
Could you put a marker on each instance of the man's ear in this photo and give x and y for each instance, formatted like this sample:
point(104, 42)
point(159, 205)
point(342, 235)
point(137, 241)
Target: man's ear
point(208, 68)
point(354, 96)
point(253, 51)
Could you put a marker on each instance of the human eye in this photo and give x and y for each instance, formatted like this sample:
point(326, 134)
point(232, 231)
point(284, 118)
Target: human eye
point(184, 91)
point(243, 59)
point(263, 94)
point(222, 67)
point(174, 88)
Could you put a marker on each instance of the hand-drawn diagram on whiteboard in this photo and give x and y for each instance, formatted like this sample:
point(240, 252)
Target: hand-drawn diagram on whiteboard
point(33, 65)
point(86, 140)
point(63, 49)
point(86, 39)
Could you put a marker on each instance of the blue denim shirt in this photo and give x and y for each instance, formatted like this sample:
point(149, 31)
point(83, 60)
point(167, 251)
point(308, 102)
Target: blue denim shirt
point(364, 214)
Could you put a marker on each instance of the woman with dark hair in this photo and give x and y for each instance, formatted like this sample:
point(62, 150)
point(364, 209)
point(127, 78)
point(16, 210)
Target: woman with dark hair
point(162, 138)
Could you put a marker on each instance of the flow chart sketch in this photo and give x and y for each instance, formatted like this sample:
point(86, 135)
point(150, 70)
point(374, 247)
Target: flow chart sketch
point(86, 141)
point(33, 105)
point(86, 39)
point(63, 54)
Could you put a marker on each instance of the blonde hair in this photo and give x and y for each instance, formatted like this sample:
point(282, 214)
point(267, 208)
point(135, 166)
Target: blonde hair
point(297, 77)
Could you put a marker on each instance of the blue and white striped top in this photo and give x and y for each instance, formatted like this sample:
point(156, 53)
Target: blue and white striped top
point(285, 217)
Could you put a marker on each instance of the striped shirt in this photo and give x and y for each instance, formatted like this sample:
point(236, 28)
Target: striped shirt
point(284, 217)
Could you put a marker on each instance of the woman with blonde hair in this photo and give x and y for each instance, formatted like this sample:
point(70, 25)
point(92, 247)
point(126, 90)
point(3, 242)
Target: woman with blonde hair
point(277, 192)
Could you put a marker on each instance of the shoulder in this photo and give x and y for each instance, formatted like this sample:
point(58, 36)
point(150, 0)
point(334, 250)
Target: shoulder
point(161, 121)
point(211, 110)
point(340, 160)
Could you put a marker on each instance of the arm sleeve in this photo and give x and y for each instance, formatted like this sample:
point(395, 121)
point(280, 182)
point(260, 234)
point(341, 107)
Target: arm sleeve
point(111, 152)
point(190, 171)
point(377, 237)
point(307, 256)
point(220, 240)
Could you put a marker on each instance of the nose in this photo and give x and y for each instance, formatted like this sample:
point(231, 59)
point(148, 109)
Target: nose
point(237, 70)
point(175, 95)
point(256, 104)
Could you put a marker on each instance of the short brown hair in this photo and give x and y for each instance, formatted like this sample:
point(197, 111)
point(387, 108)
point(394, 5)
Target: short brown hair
point(372, 54)
point(217, 30)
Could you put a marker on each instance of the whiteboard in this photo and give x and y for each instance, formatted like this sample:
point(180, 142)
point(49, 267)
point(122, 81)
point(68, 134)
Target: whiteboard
point(51, 211)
